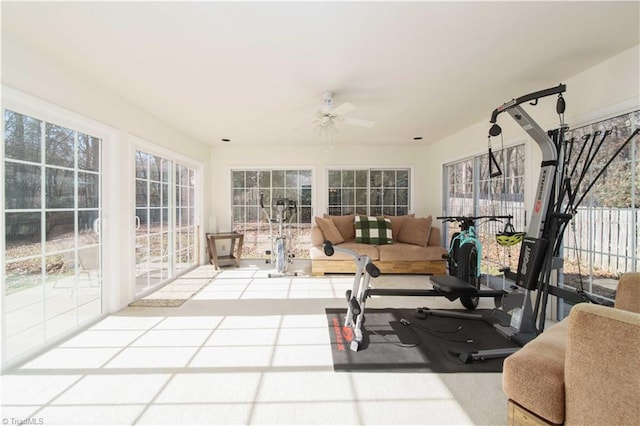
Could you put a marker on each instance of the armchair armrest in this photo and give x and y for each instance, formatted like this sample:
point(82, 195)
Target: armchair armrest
point(602, 366)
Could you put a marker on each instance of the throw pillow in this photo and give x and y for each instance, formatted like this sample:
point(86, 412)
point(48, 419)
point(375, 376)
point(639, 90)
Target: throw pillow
point(373, 230)
point(329, 230)
point(344, 225)
point(416, 231)
point(396, 224)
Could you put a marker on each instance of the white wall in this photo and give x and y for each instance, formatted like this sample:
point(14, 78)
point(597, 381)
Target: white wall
point(318, 158)
point(38, 74)
point(605, 90)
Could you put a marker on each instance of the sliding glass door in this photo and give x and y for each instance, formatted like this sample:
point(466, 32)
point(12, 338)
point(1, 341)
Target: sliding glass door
point(52, 213)
point(166, 229)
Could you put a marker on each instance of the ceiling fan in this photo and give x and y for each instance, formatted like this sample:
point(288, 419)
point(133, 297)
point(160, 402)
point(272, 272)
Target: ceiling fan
point(328, 116)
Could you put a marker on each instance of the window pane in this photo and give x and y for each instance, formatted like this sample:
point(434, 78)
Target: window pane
point(154, 195)
point(155, 167)
point(88, 152)
point(389, 179)
point(292, 178)
point(389, 197)
point(88, 190)
point(22, 186)
point(402, 178)
point(361, 178)
point(348, 178)
point(375, 178)
point(348, 197)
point(375, 197)
point(252, 179)
point(305, 196)
point(60, 230)
point(264, 179)
point(335, 197)
point(87, 226)
point(59, 146)
point(59, 188)
point(142, 165)
point(334, 179)
point(305, 178)
point(237, 179)
point(277, 179)
point(22, 235)
point(403, 197)
point(361, 197)
point(22, 137)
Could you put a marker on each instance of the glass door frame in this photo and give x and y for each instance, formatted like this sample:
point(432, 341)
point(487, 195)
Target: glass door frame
point(28, 105)
point(141, 144)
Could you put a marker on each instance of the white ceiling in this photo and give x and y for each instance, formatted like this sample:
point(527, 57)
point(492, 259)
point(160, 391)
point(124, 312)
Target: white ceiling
point(254, 72)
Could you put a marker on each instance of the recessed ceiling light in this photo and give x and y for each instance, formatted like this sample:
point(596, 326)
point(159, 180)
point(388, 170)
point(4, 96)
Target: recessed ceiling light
point(417, 138)
point(226, 140)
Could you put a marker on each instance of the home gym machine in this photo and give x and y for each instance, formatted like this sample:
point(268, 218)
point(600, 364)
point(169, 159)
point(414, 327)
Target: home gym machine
point(280, 253)
point(559, 192)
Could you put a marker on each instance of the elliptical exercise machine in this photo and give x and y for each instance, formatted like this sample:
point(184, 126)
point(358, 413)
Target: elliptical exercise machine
point(280, 254)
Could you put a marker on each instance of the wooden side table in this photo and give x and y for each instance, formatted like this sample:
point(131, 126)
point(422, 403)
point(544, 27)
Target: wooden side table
point(233, 258)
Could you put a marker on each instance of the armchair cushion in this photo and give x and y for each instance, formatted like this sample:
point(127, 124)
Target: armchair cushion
point(602, 366)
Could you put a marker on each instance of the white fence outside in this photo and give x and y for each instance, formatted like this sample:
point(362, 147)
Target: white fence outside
point(606, 241)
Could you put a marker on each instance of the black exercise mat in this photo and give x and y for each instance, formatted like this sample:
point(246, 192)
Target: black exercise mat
point(439, 341)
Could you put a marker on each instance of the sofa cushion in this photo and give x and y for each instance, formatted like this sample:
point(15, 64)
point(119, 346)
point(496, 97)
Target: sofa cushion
point(415, 230)
point(329, 230)
point(396, 224)
point(373, 230)
point(344, 225)
point(316, 253)
point(410, 252)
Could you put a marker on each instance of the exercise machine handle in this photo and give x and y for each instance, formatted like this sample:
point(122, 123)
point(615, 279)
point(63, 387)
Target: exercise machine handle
point(373, 270)
point(327, 246)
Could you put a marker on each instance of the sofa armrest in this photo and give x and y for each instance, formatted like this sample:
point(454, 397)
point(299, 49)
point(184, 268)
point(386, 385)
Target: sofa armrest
point(317, 238)
point(602, 366)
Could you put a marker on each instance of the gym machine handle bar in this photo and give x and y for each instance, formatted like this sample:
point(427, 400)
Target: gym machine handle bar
point(329, 250)
point(525, 98)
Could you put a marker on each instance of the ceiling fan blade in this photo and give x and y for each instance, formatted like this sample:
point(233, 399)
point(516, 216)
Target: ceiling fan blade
point(343, 109)
point(358, 122)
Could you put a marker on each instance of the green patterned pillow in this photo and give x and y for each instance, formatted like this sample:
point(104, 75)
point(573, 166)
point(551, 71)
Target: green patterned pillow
point(373, 230)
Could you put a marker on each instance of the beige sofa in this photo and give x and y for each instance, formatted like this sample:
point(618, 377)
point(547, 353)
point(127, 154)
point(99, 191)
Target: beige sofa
point(415, 247)
point(584, 370)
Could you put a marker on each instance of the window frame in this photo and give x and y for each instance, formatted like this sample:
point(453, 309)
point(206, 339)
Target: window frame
point(301, 230)
point(331, 208)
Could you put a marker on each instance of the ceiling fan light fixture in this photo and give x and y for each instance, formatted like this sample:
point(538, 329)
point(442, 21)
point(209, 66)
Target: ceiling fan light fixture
point(329, 117)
